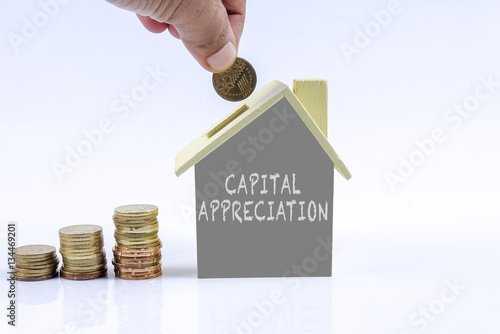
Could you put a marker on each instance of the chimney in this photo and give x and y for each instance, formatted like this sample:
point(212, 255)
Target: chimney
point(313, 94)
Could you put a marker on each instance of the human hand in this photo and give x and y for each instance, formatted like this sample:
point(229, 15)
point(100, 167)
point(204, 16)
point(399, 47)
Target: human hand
point(209, 29)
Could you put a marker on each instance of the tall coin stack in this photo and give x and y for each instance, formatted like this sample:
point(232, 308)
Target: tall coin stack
point(36, 262)
point(137, 254)
point(82, 251)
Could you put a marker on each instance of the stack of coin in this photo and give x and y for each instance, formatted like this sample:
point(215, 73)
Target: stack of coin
point(137, 253)
point(36, 262)
point(82, 252)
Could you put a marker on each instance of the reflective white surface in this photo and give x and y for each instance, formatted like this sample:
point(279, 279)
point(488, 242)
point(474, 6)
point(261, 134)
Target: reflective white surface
point(420, 257)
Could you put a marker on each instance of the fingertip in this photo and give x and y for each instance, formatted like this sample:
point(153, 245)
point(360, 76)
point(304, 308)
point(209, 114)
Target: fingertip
point(222, 59)
point(173, 31)
point(153, 25)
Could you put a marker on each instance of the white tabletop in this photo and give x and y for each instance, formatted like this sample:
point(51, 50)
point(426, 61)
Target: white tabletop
point(414, 114)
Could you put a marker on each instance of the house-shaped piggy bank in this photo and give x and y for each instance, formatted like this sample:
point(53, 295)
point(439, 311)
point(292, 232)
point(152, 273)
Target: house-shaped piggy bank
point(264, 186)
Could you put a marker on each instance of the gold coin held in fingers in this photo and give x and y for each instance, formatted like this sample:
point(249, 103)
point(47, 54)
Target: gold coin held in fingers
point(237, 82)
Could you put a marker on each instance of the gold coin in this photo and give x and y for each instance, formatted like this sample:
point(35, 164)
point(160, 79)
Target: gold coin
point(237, 82)
point(37, 261)
point(35, 270)
point(80, 230)
point(135, 236)
point(83, 270)
point(33, 251)
point(31, 273)
point(36, 266)
point(84, 262)
point(138, 246)
point(87, 266)
point(131, 258)
point(136, 224)
point(41, 278)
point(35, 274)
point(136, 210)
point(138, 243)
point(81, 241)
point(81, 251)
point(153, 228)
point(82, 257)
point(80, 237)
point(81, 248)
point(147, 239)
point(145, 218)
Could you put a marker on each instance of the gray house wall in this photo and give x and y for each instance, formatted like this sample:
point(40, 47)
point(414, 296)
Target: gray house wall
point(247, 228)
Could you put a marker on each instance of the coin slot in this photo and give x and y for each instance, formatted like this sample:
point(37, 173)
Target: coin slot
point(227, 121)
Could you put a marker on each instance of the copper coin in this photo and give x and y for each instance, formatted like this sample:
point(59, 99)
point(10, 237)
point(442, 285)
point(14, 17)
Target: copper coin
point(137, 260)
point(134, 278)
point(131, 271)
point(136, 265)
point(132, 258)
point(237, 82)
point(137, 250)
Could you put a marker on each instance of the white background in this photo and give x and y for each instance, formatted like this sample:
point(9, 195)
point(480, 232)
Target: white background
point(395, 247)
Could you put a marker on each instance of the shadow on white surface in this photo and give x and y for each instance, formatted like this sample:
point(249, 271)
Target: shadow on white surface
point(263, 305)
point(139, 305)
point(85, 303)
point(38, 293)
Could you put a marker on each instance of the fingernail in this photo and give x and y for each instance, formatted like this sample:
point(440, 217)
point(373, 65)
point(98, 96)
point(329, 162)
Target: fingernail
point(224, 58)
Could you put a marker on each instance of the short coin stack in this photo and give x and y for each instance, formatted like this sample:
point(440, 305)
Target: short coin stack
point(137, 253)
point(36, 262)
point(82, 252)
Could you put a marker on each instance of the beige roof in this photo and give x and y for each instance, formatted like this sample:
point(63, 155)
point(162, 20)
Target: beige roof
point(249, 110)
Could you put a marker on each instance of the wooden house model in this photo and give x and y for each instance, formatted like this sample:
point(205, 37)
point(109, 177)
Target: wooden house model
point(264, 186)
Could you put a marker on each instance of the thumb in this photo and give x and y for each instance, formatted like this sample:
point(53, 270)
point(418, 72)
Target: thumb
point(207, 34)
point(203, 27)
